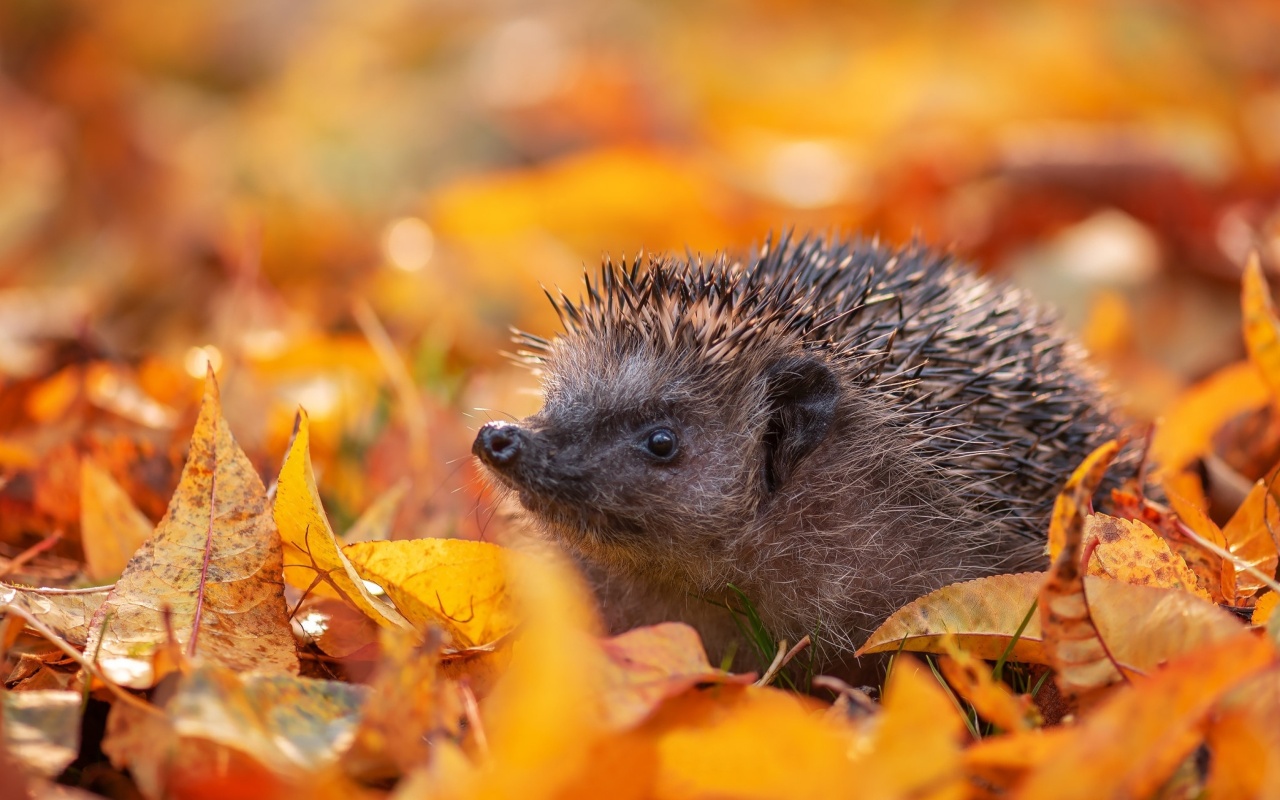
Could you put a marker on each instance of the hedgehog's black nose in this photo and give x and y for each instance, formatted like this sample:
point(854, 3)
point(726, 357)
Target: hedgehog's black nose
point(498, 444)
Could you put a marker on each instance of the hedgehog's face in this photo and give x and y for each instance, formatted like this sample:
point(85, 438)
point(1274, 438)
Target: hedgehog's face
point(637, 457)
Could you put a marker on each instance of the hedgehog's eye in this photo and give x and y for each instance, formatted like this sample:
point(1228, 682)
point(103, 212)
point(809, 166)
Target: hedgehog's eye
point(661, 444)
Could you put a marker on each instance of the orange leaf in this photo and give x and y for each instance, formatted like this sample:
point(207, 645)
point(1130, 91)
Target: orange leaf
point(1187, 430)
point(645, 666)
point(1131, 743)
point(1218, 573)
point(1078, 656)
point(1244, 740)
point(410, 709)
point(994, 701)
point(214, 563)
point(1265, 609)
point(1250, 536)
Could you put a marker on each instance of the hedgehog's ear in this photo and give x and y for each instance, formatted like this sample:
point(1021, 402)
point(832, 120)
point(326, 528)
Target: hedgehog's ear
point(803, 396)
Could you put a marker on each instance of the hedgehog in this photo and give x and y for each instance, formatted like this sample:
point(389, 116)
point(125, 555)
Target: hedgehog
point(825, 430)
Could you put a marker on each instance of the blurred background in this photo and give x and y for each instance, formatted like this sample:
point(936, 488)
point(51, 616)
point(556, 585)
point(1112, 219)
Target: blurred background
point(346, 205)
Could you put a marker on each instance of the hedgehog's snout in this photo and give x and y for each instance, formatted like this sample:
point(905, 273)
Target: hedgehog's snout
point(499, 445)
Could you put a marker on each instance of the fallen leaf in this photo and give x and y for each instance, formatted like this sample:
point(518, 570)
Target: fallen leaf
point(1131, 743)
point(1261, 328)
point(214, 563)
point(68, 612)
point(1187, 430)
point(41, 729)
point(1082, 666)
point(1249, 536)
point(272, 734)
point(994, 701)
point(313, 560)
point(1074, 502)
point(1001, 762)
point(410, 711)
point(111, 526)
point(647, 665)
point(1265, 608)
point(1129, 551)
point(1244, 740)
point(457, 584)
point(1143, 626)
point(1217, 573)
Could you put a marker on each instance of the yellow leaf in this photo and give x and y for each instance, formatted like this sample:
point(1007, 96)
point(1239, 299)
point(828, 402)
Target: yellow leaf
point(313, 561)
point(457, 584)
point(1261, 328)
point(111, 526)
point(213, 566)
point(1130, 551)
point(981, 614)
point(1073, 502)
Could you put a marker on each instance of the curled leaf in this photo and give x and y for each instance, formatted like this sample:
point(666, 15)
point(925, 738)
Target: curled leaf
point(313, 560)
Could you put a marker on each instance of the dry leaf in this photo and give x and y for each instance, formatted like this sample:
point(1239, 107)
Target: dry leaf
point(1249, 536)
point(111, 526)
point(271, 734)
point(1133, 741)
point(1074, 502)
point(312, 558)
point(41, 729)
point(1216, 573)
point(411, 710)
point(1244, 740)
point(68, 612)
point(1143, 626)
point(1082, 666)
point(994, 701)
point(1261, 328)
point(457, 584)
point(1129, 551)
point(214, 563)
point(1187, 430)
point(646, 665)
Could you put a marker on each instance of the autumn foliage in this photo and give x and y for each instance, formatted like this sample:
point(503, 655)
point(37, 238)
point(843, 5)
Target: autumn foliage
point(257, 266)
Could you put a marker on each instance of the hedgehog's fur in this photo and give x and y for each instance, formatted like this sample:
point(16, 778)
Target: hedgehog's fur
point(858, 425)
